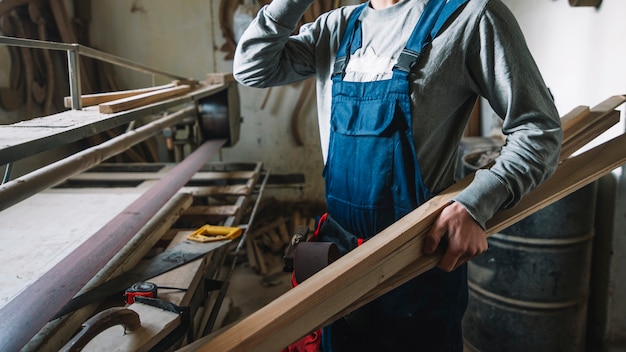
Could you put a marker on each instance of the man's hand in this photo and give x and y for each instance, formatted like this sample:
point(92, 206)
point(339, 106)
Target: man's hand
point(465, 238)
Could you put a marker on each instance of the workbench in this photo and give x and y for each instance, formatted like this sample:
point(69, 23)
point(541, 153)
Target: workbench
point(39, 231)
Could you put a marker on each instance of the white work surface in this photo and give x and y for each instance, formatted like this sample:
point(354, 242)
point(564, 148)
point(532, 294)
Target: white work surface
point(38, 232)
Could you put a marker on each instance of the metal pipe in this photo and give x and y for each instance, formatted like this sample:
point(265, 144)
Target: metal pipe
point(7, 173)
point(29, 311)
point(85, 51)
point(23, 187)
point(73, 68)
point(102, 56)
point(36, 44)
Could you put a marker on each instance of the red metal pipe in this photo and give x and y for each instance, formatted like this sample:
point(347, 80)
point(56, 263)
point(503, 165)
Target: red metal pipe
point(29, 311)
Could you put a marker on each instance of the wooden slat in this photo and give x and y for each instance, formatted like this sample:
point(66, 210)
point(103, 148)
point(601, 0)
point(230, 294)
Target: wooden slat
point(603, 123)
point(99, 98)
point(581, 118)
point(396, 249)
point(223, 210)
point(217, 190)
point(142, 99)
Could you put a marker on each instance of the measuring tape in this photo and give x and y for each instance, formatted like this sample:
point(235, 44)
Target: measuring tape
point(144, 289)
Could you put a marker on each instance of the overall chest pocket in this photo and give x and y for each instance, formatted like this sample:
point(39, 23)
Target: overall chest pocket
point(363, 144)
point(377, 118)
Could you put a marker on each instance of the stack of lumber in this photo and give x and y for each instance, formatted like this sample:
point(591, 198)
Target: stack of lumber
point(112, 102)
point(394, 256)
point(267, 241)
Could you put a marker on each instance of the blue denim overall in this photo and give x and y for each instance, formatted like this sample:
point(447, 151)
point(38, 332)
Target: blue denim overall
point(373, 179)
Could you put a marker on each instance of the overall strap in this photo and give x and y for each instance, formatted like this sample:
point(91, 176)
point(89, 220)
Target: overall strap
point(351, 38)
point(435, 15)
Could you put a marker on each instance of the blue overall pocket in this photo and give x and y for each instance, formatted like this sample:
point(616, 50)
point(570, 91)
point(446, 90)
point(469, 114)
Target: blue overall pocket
point(367, 153)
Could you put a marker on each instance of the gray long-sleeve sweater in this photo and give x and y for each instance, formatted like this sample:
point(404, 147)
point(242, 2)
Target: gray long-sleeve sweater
point(482, 51)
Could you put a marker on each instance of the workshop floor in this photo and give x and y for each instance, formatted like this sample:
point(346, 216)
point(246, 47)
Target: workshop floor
point(250, 291)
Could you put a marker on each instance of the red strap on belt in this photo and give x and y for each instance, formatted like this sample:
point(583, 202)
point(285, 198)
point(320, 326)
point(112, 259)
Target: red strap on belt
point(313, 341)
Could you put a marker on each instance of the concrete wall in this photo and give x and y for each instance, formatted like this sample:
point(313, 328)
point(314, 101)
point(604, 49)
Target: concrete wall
point(185, 38)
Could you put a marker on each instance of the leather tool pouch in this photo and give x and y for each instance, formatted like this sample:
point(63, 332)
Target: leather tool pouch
point(329, 242)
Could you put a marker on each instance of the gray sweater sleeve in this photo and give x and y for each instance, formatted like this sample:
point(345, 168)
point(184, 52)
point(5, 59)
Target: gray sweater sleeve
point(504, 72)
point(267, 54)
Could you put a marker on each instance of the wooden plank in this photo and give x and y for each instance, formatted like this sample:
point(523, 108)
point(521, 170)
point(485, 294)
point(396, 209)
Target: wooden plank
point(581, 117)
point(396, 249)
point(156, 323)
point(221, 210)
point(217, 190)
point(99, 98)
point(219, 78)
point(573, 118)
point(142, 99)
point(603, 123)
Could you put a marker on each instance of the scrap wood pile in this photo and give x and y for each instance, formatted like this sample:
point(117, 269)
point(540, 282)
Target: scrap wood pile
point(393, 257)
point(268, 239)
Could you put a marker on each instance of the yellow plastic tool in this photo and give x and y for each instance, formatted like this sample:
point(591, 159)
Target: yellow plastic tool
point(210, 233)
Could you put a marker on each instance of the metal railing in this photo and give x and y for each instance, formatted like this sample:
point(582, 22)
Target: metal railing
point(74, 51)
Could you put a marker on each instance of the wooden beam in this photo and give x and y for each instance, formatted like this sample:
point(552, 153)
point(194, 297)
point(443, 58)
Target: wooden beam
point(142, 99)
point(581, 117)
point(356, 277)
point(99, 98)
point(603, 123)
point(219, 78)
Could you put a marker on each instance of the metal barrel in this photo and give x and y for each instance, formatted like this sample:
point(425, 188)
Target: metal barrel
point(529, 291)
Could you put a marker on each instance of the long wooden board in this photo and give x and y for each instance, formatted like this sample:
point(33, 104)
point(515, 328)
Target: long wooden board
point(142, 99)
point(397, 249)
point(99, 98)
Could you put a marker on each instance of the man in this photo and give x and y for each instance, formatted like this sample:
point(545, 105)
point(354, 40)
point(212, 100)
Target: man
point(396, 82)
